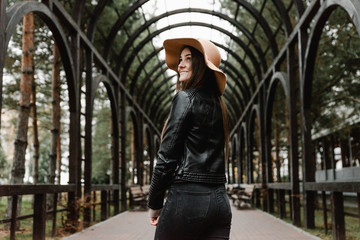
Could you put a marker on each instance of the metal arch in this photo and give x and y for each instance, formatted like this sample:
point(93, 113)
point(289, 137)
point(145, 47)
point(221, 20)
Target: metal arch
point(156, 142)
point(230, 107)
point(149, 79)
point(154, 108)
point(147, 131)
point(148, 76)
point(284, 16)
point(132, 38)
point(242, 63)
point(225, 63)
point(15, 15)
point(110, 91)
point(88, 132)
point(235, 137)
point(118, 25)
point(242, 147)
point(115, 116)
point(142, 67)
point(284, 81)
point(94, 19)
point(66, 18)
point(233, 90)
point(155, 33)
point(130, 112)
point(151, 94)
point(149, 85)
point(158, 95)
point(240, 77)
point(151, 36)
point(244, 133)
point(163, 95)
point(239, 60)
point(149, 135)
point(353, 10)
point(233, 154)
point(77, 11)
point(229, 101)
point(255, 112)
point(299, 7)
point(139, 3)
point(238, 108)
point(244, 144)
point(263, 23)
point(283, 78)
point(162, 115)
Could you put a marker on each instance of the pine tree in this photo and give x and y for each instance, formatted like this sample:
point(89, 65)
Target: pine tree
point(18, 168)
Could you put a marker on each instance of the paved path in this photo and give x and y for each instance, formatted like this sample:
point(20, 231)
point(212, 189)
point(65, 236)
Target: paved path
point(247, 224)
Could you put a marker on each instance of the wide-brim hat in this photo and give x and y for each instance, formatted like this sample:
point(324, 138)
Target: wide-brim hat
point(212, 57)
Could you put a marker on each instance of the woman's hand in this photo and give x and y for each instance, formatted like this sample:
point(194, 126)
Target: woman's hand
point(154, 216)
point(154, 221)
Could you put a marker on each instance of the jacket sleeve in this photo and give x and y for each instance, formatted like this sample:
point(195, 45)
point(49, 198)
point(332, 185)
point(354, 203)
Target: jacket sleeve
point(171, 149)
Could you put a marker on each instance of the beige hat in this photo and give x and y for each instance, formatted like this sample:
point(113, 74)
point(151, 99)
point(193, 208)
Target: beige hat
point(173, 48)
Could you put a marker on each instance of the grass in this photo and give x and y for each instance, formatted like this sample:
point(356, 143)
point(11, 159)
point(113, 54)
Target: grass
point(352, 227)
point(352, 224)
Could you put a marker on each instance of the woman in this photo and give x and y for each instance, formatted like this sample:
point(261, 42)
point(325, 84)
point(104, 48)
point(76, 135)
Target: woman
point(191, 157)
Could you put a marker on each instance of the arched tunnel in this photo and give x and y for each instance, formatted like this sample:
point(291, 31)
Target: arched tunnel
point(273, 55)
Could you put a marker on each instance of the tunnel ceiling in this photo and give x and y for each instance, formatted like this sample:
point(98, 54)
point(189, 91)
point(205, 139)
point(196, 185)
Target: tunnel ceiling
point(249, 34)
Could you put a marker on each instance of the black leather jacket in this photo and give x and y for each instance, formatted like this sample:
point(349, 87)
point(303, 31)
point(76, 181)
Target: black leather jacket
point(192, 148)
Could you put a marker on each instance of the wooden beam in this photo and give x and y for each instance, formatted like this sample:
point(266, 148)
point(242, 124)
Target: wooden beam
point(338, 217)
point(23, 189)
point(333, 186)
point(39, 217)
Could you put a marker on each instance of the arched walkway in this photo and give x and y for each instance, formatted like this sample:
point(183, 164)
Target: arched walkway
point(292, 96)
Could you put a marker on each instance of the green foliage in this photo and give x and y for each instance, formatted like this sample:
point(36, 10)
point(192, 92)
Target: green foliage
point(101, 141)
point(12, 72)
point(336, 85)
point(4, 165)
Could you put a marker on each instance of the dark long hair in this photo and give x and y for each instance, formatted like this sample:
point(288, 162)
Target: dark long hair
point(204, 77)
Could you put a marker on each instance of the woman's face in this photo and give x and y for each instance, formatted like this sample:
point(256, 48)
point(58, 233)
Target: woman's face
point(185, 65)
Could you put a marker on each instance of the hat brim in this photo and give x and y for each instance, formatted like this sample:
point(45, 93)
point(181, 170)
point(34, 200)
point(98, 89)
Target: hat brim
point(173, 48)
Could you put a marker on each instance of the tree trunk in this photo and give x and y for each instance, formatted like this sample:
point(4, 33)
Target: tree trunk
point(55, 114)
point(18, 168)
point(277, 147)
point(36, 132)
point(55, 132)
